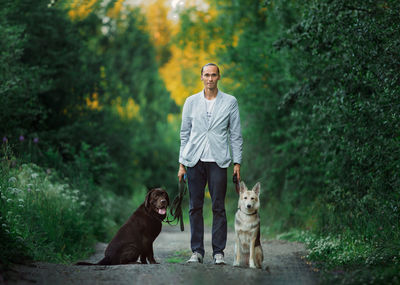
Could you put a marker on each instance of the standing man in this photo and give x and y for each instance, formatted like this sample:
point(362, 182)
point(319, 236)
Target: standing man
point(210, 124)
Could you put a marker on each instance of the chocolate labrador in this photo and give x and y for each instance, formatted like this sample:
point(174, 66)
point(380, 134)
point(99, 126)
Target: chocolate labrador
point(135, 238)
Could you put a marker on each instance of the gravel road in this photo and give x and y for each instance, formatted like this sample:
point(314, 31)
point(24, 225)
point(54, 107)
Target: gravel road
point(283, 264)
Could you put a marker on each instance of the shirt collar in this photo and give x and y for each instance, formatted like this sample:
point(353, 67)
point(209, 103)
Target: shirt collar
point(204, 96)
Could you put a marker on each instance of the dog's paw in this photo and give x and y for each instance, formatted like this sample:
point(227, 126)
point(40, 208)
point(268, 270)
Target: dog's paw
point(236, 264)
point(252, 265)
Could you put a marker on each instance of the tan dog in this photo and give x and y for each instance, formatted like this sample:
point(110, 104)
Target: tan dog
point(248, 250)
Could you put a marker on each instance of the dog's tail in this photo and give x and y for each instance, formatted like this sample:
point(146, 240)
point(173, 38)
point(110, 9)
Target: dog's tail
point(85, 263)
point(104, 261)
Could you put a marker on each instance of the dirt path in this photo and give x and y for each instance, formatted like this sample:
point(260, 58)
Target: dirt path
point(171, 248)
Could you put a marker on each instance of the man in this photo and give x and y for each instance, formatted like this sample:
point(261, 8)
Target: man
point(210, 124)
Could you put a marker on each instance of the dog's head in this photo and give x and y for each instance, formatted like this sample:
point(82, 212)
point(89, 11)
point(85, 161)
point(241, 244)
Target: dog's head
point(157, 200)
point(249, 201)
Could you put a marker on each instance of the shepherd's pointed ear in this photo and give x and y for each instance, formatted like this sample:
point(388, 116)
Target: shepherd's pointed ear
point(242, 187)
point(256, 188)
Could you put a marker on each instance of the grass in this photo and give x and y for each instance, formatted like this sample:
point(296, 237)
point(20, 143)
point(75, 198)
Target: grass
point(351, 259)
point(43, 217)
point(179, 256)
point(45, 214)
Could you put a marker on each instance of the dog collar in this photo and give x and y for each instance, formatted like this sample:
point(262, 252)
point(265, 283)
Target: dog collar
point(248, 214)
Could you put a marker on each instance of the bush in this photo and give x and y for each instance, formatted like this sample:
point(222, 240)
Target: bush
point(44, 213)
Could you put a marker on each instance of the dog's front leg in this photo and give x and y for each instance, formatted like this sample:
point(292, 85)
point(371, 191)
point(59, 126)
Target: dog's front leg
point(151, 256)
point(236, 262)
point(143, 259)
point(252, 252)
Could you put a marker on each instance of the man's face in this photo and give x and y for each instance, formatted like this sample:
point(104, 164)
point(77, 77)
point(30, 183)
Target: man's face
point(210, 77)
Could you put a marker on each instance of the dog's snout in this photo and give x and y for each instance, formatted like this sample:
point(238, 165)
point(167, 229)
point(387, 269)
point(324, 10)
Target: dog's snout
point(163, 202)
point(249, 206)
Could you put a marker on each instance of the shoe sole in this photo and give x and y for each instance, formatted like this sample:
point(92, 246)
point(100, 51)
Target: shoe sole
point(192, 261)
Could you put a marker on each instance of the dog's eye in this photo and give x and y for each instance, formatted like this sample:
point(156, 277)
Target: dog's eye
point(245, 198)
point(252, 198)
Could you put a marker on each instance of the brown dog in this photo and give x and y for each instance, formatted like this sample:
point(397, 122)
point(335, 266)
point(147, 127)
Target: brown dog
point(135, 238)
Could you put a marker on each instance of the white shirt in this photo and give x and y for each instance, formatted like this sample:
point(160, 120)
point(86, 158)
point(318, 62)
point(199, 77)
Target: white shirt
point(206, 156)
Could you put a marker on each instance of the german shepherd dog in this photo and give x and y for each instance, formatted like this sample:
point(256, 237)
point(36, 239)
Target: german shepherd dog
point(248, 250)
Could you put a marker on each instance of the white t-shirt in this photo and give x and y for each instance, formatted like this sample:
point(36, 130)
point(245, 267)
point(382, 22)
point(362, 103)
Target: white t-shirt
point(206, 155)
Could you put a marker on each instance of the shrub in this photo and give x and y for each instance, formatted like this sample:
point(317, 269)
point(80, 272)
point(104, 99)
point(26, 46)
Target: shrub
point(44, 213)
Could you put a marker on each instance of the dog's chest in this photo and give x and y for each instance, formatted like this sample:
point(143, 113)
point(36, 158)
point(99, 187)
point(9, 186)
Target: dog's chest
point(246, 227)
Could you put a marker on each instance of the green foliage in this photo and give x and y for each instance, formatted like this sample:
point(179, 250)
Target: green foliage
point(63, 84)
point(62, 66)
point(346, 259)
point(318, 84)
point(44, 214)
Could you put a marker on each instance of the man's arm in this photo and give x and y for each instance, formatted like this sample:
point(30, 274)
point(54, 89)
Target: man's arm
point(181, 171)
point(236, 139)
point(186, 128)
point(236, 170)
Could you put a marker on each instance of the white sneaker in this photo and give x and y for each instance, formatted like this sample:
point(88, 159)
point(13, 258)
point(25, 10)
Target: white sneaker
point(219, 259)
point(195, 258)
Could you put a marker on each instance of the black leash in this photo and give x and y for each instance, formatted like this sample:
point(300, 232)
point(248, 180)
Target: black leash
point(176, 206)
point(237, 185)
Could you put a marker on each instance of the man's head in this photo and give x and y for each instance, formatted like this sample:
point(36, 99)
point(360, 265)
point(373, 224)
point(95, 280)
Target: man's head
point(210, 76)
point(209, 64)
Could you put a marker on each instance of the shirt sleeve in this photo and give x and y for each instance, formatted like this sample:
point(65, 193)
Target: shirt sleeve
point(236, 140)
point(186, 128)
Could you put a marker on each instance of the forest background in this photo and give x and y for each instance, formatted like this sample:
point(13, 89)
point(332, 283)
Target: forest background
point(91, 93)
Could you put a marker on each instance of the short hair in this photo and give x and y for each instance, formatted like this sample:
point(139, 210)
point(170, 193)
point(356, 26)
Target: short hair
point(210, 64)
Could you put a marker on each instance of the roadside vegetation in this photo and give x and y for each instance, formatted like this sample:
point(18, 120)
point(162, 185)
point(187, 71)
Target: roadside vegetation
point(83, 127)
point(318, 87)
point(88, 123)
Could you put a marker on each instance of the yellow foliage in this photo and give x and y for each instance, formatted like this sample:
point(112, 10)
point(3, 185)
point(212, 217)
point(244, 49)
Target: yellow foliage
point(171, 118)
point(115, 11)
point(181, 73)
point(128, 111)
point(93, 102)
point(80, 9)
point(158, 24)
point(181, 61)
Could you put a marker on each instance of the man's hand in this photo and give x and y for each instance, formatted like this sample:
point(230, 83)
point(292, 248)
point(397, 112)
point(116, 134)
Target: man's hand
point(181, 172)
point(236, 170)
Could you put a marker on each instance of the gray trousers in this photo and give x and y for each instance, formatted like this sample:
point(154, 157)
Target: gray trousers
point(216, 177)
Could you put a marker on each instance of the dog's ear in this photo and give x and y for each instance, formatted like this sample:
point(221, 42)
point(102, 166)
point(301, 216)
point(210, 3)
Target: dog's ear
point(147, 200)
point(256, 188)
point(242, 187)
